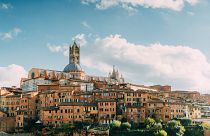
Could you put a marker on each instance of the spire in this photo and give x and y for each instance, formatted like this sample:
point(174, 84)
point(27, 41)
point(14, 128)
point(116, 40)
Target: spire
point(75, 44)
point(113, 71)
point(109, 74)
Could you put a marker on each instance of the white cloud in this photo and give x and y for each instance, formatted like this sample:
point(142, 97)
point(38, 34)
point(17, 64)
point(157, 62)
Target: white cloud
point(58, 48)
point(177, 65)
point(88, 1)
point(5, 6)
point(11, 34)
point(64, 48)
point(176, 5)
point(85, 24)
point(11, 75)
point(80, 39)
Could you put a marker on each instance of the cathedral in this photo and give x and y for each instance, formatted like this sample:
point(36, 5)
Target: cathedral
point(72, 71)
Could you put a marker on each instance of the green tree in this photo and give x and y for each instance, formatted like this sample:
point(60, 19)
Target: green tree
point(161, 133)
point(186, 121)
point(115, 125)
point(157, 126)
point(206, 125)
point(196, 130)
point(174, 128)
point(125, 126)
point(149, 122)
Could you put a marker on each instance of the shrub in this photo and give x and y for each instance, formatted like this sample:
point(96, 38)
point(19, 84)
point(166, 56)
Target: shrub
point(196, 130)
point(174, 128)
point(149, 122)
point(157, 126)
point(161, 133)
point(115, 124)
point(125, 126)
point(186, 122)
point(206, 125)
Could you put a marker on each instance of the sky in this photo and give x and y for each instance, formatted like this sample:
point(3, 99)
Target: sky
point(151, 42)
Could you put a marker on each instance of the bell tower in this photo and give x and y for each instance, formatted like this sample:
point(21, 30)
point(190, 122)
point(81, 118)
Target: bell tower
point(74, 54)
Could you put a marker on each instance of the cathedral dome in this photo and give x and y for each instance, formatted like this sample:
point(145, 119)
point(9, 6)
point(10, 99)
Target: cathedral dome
point(72, 67)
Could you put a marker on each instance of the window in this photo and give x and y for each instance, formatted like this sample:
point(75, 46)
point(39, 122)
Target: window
point(32, 75)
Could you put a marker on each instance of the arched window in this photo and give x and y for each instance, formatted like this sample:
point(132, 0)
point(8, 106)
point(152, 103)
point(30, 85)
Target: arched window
point(32, 75)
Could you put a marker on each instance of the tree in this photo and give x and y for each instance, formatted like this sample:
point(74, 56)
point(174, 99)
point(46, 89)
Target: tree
point(174, 128)
point(149, 122)
point(125, 126)
point(161, 133)
point(186, 121)
point(115, 125)
point(206, 125)
point(157, 126)
point(196, 130)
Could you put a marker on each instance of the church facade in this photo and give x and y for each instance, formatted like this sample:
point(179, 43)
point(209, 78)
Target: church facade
point(72, 71)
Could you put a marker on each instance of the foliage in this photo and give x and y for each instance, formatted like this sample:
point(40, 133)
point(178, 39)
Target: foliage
point(159, 120)
point(115, 124)
point(186, 121)
point(161, 133)
point(196, 130)
point(149, 122)
point(157, 126)
point(124, 120)
point(174, 128)
point(66, 127)
point(78, 125)
point(206, 125)
point(49, 127)
point(125, 126)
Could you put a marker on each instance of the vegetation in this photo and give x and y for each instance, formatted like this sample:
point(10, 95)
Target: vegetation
point(125, 126)
point(115, 125)
point(174, 128)
point(161, 133)
point(185, 121)
point(149, 122)
point(206, 125)
point(150, 127)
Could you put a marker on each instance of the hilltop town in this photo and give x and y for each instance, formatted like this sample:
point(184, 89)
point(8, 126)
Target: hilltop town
point(53, 98)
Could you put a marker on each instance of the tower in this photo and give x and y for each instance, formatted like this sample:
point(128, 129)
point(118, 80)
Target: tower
point(74, 54)
point(74, 67)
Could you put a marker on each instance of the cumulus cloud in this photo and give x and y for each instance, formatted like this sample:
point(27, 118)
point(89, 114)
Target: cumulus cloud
point(11, 34)
point(80, 39)
point(11, 75)
point(176, 5)
point(5, 6)
point(58, 48)
point(177, 65)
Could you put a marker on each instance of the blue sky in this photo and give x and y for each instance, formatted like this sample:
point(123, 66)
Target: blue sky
point(27, 27)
